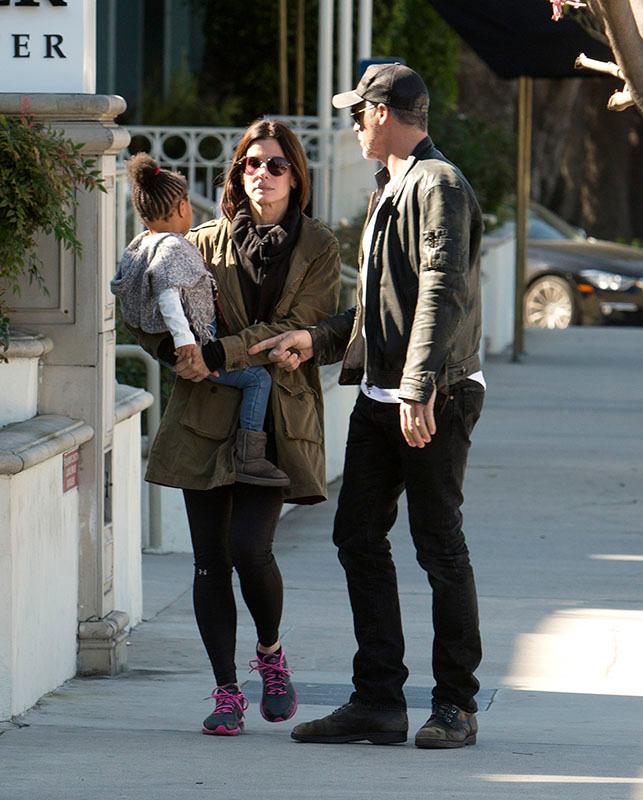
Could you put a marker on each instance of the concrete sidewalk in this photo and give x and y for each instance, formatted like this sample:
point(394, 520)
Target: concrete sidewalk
point(553, 517)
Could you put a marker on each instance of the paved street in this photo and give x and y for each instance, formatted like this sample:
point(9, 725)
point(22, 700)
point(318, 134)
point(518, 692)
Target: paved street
point(554, 522)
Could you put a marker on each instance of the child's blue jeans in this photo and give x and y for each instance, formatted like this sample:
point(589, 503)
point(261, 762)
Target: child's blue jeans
point(255, 384)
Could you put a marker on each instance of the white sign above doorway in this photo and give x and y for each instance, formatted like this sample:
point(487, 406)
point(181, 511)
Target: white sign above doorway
point(48, 46)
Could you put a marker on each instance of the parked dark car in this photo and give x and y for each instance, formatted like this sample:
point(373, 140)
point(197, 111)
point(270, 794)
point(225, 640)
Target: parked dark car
point(573, 279)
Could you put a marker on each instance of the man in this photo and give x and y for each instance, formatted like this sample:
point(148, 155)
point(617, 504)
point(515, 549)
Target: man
point(412, 344)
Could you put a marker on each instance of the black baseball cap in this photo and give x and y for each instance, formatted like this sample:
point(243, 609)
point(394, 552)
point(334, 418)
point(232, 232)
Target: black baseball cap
point(396, 85)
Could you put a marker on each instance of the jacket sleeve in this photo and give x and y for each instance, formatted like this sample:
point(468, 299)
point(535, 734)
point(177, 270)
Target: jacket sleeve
point(315, 299)
point(445, 221)
point(330, 337)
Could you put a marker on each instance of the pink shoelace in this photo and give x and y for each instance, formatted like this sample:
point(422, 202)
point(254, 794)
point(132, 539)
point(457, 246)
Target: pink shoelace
point(227, 702)
point(274, 674)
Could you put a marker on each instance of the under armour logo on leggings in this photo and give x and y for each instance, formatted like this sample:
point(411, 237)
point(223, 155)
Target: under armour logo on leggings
point(202, 572)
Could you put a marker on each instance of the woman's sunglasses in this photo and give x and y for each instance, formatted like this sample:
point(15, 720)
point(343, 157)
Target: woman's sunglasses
point(276, 165)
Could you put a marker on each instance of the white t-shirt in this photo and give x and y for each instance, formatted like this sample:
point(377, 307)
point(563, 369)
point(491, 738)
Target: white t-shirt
point(370, 390)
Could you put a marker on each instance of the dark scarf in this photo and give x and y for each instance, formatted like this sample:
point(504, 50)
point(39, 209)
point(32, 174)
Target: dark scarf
point(264, 255)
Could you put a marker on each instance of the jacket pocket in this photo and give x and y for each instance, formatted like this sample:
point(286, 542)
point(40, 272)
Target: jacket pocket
point(212, 410)
point(437, 244)
point(299, 412)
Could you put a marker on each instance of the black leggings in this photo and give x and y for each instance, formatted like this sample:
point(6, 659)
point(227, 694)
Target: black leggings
point(234, 526)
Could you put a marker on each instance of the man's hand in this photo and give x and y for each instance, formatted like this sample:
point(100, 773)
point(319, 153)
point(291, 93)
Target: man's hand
point(417, 421)
point(190, 364)
point(288, 350)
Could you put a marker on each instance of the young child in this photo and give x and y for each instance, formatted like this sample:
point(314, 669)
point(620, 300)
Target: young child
point(163, 285)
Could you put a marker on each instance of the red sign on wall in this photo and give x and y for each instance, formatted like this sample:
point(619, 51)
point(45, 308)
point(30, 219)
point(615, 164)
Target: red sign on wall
point(71, 460)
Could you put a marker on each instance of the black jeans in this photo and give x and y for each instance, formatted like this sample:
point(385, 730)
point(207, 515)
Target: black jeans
point(234, 526)
point(379, 466)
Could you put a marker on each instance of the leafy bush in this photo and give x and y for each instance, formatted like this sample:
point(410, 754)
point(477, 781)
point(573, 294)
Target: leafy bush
point(484, 152)
point(414, 31)
point(40, 171)
point(185, 106)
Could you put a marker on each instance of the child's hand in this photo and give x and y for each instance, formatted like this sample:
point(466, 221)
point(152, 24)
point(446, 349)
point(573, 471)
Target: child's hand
point(190, 364)
point(187, 352)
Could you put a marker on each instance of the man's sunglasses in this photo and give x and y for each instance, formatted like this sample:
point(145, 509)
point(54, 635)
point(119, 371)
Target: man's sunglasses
point(276, 165)
point(357, 114)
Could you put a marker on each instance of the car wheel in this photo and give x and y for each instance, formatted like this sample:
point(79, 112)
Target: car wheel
point(550, 303)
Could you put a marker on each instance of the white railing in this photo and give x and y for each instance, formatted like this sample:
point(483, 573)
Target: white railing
point(153, 386)
point(204, 154)
point(341, 178)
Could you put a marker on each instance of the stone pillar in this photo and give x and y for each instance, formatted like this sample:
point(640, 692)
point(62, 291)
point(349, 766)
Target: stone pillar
point(78, 374)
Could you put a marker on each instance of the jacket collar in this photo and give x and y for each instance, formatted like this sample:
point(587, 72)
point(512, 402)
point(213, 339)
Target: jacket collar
point(306, 248)
point(422, 150)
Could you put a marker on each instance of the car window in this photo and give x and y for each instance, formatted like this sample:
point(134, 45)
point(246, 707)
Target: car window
point(539, 229)
point(544, 225)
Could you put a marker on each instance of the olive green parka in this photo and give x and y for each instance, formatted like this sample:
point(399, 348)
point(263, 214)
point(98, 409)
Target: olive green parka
point(194, 445)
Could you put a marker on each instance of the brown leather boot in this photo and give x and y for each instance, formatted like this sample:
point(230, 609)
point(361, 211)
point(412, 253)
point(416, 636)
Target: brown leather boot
point(447, 727)
point(250, 461)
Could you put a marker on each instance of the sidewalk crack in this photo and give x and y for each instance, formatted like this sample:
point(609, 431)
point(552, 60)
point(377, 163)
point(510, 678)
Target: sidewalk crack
point(494, 692)
point(165, 608)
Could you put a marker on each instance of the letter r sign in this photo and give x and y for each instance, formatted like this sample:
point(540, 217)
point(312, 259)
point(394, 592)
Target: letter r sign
point(48, 46)
point(31, 3)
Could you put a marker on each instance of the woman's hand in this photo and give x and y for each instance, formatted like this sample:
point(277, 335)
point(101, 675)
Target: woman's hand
point(190, 365)
point(288, 350)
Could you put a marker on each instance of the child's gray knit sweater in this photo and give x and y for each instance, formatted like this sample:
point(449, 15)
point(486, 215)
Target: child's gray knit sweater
point(154, 262)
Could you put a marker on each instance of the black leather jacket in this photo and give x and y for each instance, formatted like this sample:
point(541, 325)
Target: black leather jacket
point(422, 318)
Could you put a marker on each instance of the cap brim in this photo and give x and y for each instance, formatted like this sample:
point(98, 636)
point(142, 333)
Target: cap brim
point(346, 99)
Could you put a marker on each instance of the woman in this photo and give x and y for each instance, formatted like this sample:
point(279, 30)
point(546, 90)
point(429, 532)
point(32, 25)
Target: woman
point(276, 270)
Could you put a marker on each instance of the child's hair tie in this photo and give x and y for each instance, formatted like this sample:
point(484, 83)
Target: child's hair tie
point(157, 170)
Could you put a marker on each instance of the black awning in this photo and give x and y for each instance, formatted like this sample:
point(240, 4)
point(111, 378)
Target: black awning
point(519, 37)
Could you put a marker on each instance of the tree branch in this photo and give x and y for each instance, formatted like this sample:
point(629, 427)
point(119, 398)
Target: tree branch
point(607, 67)
point(620, 100)
point(623, 23)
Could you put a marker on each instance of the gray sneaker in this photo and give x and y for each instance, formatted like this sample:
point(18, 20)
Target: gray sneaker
point(227, 717)
point(279, 696)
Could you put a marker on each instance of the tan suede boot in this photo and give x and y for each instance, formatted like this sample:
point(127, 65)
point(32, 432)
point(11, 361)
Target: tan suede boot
point(250, 461)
